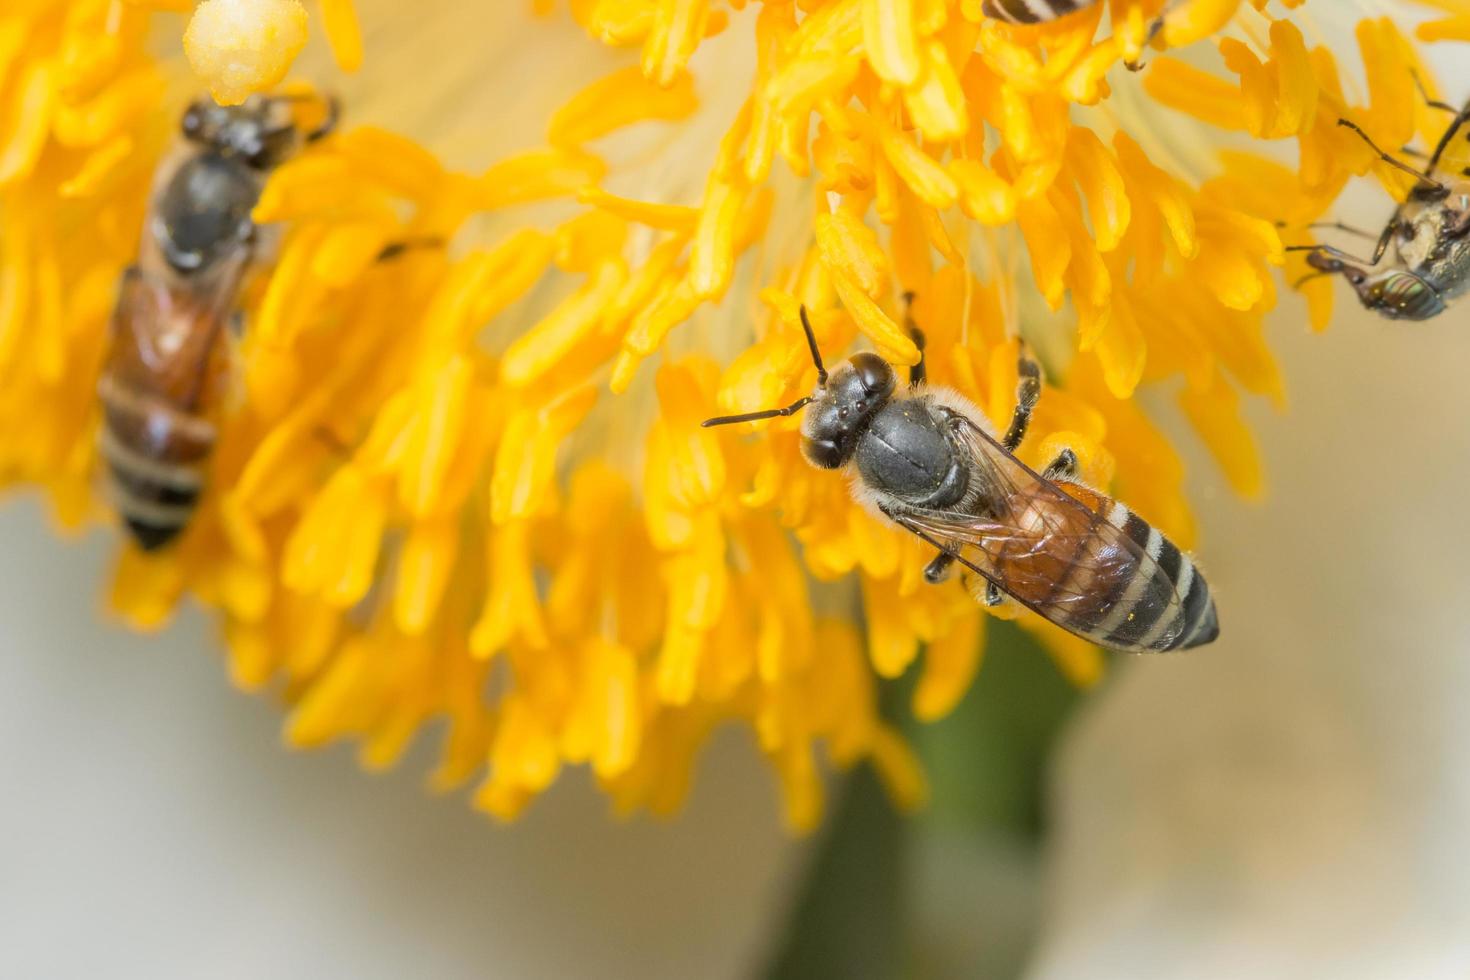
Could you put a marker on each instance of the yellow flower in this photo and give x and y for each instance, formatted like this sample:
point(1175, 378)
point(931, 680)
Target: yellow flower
point(468, 482)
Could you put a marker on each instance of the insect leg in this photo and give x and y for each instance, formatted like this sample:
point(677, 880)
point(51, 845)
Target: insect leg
point(1064, 467)
point(1028, 391)
point(993, 595)
point(1424, 94)
point(1321, 255)
point(1342, 227)
point(1384, 238)
point(1392, 161)
point(1153, 32)
point(394, 249)
point(929, 539)
point(919, 373)
point(937, 571)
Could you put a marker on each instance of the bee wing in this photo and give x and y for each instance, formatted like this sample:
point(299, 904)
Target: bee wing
point(167, 337)
point(1066, 561)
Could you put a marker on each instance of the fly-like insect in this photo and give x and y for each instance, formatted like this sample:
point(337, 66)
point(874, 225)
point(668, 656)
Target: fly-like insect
point(927, 459)
point(1429, 233)
point(167, 367)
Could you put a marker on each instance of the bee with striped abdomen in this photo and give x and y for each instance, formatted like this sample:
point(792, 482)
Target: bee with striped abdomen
point(169, 359)
point(1032, 11)
point(1429, 233)
point(1045, 11)
point(926, 459)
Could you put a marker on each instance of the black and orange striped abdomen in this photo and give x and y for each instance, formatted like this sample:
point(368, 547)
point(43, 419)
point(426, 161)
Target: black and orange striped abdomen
point(158, 389)
point(1105, 574)
point(1032, 11)
point(156, 457)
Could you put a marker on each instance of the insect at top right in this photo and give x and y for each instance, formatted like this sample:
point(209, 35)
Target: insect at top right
point(1429, 232)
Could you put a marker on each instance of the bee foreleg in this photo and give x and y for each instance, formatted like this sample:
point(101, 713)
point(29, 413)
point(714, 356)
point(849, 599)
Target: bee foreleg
point(1064, 467)
point(1425, 180)
point(918, 374)
point(1028, 392)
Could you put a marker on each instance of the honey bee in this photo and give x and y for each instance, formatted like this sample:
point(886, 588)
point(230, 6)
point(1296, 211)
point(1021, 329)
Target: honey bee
point(927, 460)
point(1045, 11)
point(169, 359)
point(1032, 11)
point(1429, 233)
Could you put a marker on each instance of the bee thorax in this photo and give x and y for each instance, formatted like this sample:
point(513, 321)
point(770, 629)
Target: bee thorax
point(907, 453)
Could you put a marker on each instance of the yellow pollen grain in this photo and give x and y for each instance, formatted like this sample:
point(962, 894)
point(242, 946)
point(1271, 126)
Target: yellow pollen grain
point(239, 47)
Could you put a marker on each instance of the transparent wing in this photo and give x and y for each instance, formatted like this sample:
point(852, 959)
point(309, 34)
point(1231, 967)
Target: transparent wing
point(1051, 551)
point(169, 337)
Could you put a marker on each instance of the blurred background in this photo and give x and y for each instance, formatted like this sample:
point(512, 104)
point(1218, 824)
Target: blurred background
point(1293, 801)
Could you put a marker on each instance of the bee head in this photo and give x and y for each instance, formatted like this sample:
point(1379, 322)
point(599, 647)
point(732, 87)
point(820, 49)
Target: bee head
point(260, 131)
point(841, 409)
point(841, 405)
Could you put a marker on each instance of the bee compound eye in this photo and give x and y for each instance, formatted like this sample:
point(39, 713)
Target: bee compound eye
point(822, 453)
point(875, 373)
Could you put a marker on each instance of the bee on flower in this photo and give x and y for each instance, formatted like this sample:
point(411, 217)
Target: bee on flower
point(426, 506)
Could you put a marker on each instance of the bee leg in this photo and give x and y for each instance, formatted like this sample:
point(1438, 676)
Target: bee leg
point(1063, 468)
point(945, 557)
point(1424, 94)
point(993, 595)
point(1339, 226)
point(1425, 180)
point(329, 124)
point(1153, 32)
point(918, 374)
point(1329, 258)
point(937, 571)
point(393, 250)
point(1028, 391)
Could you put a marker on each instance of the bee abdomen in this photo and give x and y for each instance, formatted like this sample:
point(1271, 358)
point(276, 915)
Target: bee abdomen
point(1032, 11)
point(1160, 606)
point(155, 456)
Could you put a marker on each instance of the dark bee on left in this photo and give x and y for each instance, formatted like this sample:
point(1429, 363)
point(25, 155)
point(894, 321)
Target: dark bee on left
point(168, 364)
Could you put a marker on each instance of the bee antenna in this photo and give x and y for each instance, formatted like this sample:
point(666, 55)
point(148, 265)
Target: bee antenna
point(769, 413)
point(811, 341)
point(794, 407)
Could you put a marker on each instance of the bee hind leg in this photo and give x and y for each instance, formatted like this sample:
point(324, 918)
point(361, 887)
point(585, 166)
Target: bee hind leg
point(1028, 393)
point(1064, 467)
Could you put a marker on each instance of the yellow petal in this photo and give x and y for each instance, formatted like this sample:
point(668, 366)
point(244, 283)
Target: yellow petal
point(621, 99)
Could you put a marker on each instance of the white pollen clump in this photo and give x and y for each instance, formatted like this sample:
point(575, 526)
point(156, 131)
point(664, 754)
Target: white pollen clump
point(239, 47)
